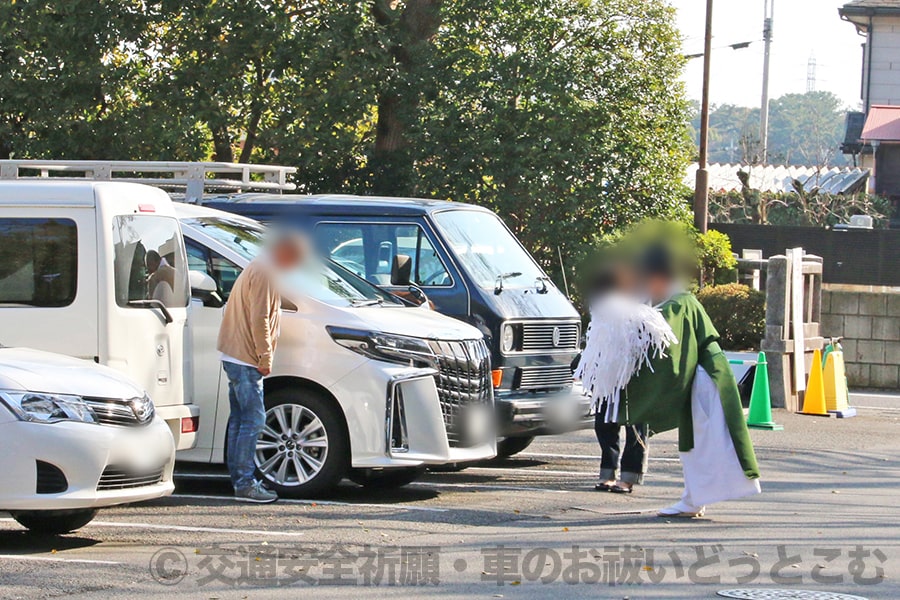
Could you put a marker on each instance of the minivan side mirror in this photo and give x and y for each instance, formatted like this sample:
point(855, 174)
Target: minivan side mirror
point(401, 270)
point(204, 288)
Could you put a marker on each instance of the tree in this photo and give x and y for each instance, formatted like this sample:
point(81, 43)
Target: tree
point(803, 129)
point(565, 116)
point(806, 128)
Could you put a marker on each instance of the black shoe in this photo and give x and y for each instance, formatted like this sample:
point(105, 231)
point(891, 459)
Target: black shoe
point(618, 489)
point(603, 487)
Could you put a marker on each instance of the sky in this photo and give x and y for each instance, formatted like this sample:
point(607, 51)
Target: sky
point(802, 28)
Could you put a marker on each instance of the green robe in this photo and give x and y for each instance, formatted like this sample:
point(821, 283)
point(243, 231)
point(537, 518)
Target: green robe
point(660, 394)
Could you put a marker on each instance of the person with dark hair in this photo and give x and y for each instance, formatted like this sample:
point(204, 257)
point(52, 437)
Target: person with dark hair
point(161, 281)
point(691, 387)
point(606, 283)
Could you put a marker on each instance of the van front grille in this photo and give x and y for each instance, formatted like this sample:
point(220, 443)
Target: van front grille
point(559, 335)
point(463, 380)
point(537, 378)
point(116, 478)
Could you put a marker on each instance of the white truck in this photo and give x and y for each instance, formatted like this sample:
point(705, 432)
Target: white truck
point(74, 280)
point(363, 385)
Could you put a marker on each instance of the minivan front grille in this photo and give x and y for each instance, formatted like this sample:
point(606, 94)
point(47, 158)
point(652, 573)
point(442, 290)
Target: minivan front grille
point(555, 335)
point(463, 380)
point(117, 478)
point(536, 378)
point(110, 411)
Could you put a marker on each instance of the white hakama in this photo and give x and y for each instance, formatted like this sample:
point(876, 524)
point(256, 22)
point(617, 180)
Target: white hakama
point(712, 471)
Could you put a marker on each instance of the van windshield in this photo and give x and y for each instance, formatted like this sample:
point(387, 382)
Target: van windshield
point(325, 281)
point(487, 250)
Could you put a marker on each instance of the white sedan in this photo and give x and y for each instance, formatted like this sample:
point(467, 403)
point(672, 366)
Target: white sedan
point(75, 437)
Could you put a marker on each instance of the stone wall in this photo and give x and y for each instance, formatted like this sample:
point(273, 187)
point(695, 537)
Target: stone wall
point(869, 322)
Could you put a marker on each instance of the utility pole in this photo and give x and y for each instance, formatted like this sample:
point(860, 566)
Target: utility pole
point(701, 186)
point(764, 108)
point(811, 74)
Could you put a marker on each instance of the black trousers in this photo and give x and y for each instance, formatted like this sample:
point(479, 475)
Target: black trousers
point(632, 459)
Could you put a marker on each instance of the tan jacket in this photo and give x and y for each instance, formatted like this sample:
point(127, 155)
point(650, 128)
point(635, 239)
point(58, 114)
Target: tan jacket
point(250, 327)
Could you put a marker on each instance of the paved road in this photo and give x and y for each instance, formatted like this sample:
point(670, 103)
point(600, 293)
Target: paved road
point(829, 486)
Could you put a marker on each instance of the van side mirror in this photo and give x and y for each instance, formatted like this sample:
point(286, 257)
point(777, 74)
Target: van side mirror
point(401, 270)
point(204, 288)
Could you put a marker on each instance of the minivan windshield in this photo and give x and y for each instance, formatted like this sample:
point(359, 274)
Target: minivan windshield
point(487, 250)
point(325, 281)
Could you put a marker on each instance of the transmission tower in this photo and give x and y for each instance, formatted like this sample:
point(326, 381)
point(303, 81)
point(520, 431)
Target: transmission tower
point(811, 74)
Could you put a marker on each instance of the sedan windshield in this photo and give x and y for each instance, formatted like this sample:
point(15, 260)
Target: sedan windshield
point(487, 250)
point(325, 281)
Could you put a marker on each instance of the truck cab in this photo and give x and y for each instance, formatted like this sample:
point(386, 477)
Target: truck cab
point(97, 270)
point(471, 267)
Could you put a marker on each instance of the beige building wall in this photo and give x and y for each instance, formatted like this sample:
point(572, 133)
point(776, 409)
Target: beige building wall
point(884, 40)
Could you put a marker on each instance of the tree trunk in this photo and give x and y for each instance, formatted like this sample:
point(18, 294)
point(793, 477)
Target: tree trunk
point(413, 29)
point(222, 145)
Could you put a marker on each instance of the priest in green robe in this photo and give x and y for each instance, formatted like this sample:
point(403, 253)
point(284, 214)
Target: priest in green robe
point(691, 387)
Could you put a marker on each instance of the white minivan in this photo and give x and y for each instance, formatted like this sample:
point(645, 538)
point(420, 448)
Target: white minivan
point(75, 437)
point(363, 384)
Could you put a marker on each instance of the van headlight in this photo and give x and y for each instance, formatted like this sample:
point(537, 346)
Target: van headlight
point(508, 338)
point(38, 407)
point(384, 346)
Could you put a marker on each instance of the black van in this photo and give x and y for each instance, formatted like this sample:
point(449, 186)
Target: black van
point(471, 267)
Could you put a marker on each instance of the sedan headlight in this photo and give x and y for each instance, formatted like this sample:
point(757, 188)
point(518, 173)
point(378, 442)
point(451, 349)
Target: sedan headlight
point(384, 346)
point(38, 407)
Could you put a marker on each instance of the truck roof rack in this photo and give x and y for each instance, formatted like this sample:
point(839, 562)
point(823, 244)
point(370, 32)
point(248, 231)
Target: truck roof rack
point(194, 178)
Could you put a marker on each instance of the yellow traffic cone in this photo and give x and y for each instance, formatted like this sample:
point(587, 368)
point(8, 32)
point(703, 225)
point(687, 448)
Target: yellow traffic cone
point(814, 398)
point(835, 384)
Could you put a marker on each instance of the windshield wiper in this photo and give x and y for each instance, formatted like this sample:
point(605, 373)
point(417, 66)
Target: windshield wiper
point(360, 303)
point(498, 287)
point(153, 303)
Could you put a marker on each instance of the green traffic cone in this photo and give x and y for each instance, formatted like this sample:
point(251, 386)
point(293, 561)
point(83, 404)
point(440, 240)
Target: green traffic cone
point(760, 402)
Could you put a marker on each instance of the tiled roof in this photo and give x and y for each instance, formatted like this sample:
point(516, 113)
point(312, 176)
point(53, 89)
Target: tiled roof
point(872, 4)
point(780, 178)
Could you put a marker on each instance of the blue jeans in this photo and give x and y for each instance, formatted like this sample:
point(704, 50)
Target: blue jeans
point(245, 423)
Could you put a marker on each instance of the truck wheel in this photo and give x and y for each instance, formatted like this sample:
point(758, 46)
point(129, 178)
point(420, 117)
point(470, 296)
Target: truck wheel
point(54, 522)
point(512, 445)
point(384, 479)
point(303, 450)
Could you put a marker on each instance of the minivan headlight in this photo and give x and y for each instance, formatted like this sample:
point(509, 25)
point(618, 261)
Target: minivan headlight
point(383, 346)
point(39, 407)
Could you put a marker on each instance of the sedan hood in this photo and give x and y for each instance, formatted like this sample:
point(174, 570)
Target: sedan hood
point(32, 370)
point(414, 322)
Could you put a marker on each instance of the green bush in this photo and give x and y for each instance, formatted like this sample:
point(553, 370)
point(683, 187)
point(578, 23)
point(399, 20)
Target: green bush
point(717, 263)
point(738, 312)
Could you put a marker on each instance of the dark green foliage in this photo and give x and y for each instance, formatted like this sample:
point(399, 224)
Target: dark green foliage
point(738, 312)
point(567, 117)
point(804, 129)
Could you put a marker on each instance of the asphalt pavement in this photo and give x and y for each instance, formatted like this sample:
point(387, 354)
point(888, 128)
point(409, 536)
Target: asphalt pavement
point(526, 527)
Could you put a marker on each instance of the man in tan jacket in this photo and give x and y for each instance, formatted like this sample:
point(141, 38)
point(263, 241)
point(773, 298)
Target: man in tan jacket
point(247, 342)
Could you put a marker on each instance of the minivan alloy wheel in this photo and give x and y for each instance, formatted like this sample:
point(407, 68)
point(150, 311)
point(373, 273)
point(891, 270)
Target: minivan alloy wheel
point(293, 446)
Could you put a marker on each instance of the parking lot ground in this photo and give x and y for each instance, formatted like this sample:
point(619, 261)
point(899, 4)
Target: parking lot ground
point(827, 520)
